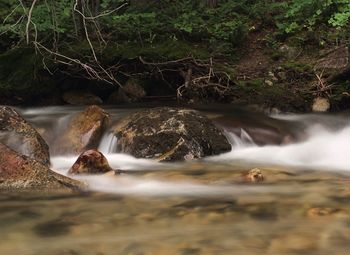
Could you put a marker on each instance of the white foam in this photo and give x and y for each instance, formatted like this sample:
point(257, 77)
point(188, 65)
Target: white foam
point(324, 150)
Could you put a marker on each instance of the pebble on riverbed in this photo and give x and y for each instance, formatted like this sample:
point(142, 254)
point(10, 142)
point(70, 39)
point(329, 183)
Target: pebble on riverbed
point(254, 175)
point(321, 211)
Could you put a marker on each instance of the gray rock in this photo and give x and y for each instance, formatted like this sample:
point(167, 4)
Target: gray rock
point(169, 134)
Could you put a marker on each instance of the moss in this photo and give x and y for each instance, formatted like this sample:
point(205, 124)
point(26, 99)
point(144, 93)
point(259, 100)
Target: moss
point(279, 95)
point(297, 67)
point(22, 72)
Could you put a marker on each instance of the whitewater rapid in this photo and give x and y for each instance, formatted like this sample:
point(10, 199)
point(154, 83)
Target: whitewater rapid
point(323, 149)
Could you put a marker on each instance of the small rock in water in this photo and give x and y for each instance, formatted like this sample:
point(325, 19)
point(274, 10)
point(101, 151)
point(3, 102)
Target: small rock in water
point(320, 104)
point(255, 175)
point(90, 162)
point(321, 211)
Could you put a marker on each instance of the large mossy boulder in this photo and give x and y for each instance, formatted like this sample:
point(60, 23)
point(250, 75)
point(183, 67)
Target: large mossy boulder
point(19, 135)
point(83, 132)
point(169, 134)
point(18, 172)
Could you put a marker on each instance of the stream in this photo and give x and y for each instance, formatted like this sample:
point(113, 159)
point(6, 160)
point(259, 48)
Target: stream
point(204, 206)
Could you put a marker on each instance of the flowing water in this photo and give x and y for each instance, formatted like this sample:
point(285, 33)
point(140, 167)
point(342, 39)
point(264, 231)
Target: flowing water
point(202, 207)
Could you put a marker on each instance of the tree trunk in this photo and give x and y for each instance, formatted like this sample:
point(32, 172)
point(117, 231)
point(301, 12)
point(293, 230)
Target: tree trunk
point(95, 7)
point(79, 19)
point(211, 3)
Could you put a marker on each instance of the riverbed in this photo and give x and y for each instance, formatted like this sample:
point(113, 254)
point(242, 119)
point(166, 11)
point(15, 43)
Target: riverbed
point(206, 206)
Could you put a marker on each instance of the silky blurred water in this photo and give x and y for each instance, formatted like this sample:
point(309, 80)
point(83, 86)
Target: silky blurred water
point(202, 207)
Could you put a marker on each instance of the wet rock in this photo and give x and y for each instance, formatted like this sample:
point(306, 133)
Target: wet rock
point(21, 172)
point(132, 91)
point(320, 104)
point(255, 175)
point(321, 211)
point(83, 132)
point(169, 134)
point(268, 131)
point(76, 97)
point(90, 162)
point(20, 136)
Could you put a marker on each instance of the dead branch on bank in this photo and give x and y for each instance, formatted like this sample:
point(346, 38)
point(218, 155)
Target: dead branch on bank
point(199, 76)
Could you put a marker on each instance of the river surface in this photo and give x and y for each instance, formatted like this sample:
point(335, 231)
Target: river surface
point(205, 206)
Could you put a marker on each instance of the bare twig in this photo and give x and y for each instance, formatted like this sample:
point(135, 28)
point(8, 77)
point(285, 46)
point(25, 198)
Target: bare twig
point(29, 21)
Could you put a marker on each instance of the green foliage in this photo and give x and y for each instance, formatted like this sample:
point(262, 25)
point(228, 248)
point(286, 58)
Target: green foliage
point(20, 72)
point(48, 17)
point(181, 19)
point(313, 14)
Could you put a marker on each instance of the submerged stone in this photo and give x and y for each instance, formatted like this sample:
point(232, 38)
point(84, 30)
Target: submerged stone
point(20, 136)
point(169, 134)
point(316, 212)
point(90, 162)
point(255, 175)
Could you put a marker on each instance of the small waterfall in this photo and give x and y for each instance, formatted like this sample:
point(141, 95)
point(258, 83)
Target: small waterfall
point(242, 140)
point(108, 143)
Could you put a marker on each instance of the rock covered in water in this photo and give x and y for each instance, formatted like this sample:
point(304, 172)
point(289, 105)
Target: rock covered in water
point(19, 135)
point(21, 172)
point(316, 212)
point(254, 175)
point(83, 132)
point(169, 134)
point(90, 162)
point(76, 97)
